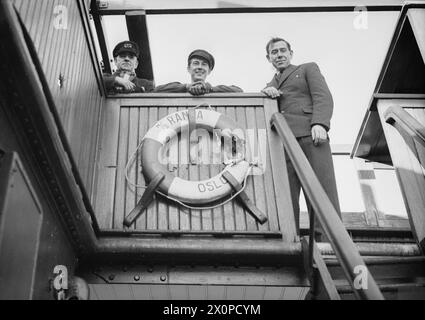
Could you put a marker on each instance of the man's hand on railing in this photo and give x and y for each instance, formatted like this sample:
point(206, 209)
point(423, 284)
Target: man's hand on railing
point(271, 92)
point(199, 88)
point(125, 83)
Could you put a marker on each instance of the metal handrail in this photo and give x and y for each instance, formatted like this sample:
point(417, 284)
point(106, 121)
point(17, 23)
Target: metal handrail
point(401, 119)
point(344, 247)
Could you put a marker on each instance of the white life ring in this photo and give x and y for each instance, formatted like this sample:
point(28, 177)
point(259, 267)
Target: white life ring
point(194, 192)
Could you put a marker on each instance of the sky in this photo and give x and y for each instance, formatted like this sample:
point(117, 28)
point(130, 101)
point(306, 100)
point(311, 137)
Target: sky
point(349, 47)
point(350, 58)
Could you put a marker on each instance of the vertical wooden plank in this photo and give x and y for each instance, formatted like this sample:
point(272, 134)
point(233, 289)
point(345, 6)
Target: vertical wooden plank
point(216, 292)
point(197, 292)
point(273, 293)
point(246, 222)
point(47, 47)
point(206, 215)
point(265, 156)
point(104, 197)
point(235, 292)
point(141, 222)
point(409, 173)
point(280, 177)
point(228, 213)
point(256, 120)
point(120, 181)
point(178, 292)
point(27, 11)
point(123, 292)
point(195, 215)
point(42, 18)
point(204, 160)
point(72, 97)
point(215, 169)
point(159, 292)
point(173, 209)
point(133, 138)
point(183, 172)
point(162, 205)
point(34, 23)
point(92, 178)
point(152, 210)
point(141, 292)
point(107, 164)
point(55, 54)
point(238, 212)
point(251, 144)
point(71, 49)
point(76, 82)
point(255, 293)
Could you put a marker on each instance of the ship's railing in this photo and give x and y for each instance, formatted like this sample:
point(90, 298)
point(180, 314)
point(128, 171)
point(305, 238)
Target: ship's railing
point(344, 247)
point(403, 121)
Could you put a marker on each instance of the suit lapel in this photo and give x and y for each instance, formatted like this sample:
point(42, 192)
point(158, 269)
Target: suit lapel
point(285, 74)
point(273, 82)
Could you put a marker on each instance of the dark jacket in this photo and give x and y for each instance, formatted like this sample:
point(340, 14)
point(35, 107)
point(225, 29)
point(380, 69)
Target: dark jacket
point(305, 99)
point(142, 85)
point(181, 87)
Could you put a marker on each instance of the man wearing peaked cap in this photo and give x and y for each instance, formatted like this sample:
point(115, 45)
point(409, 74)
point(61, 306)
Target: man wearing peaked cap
point(200, 63)
point(124, 80)
point(202, 54)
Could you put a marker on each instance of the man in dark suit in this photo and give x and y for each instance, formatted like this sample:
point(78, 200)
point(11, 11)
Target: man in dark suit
point(306, 102)
point(200, 63)
point(124, 80)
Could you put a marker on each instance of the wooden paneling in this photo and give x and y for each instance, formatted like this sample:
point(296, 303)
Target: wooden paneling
point(123, 128)
point(192, 292)
point(408, 158)
point(65, 54)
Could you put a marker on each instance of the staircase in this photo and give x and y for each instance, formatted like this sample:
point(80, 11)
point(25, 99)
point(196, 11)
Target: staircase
point(398, 269)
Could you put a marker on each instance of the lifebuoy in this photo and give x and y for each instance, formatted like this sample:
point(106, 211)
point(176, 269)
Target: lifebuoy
point(194, 192)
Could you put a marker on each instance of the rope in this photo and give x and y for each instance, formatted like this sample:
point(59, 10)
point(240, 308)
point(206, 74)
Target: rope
point(128, 164)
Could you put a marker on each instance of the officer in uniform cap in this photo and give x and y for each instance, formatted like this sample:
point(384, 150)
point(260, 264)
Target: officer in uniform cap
point(200, 63)
point(124, 80)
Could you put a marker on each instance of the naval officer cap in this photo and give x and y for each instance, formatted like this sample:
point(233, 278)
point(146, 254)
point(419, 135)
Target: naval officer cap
point(126, 47)
point(199, 53)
